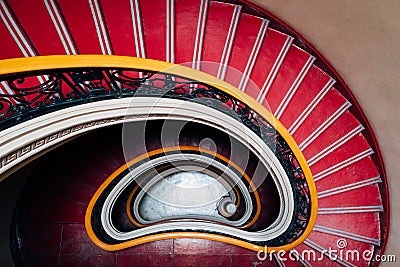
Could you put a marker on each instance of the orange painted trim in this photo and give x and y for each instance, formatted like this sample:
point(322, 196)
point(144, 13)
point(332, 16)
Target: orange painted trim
point(128, 209)
point(238, 196)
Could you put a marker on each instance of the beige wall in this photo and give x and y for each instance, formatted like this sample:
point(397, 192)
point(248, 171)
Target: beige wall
point(361, 38)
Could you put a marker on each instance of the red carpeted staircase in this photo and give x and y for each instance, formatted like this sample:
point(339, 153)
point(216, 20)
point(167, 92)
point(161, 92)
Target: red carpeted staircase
point(248, 49)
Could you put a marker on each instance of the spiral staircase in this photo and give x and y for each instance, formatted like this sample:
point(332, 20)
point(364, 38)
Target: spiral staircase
point(233, 41)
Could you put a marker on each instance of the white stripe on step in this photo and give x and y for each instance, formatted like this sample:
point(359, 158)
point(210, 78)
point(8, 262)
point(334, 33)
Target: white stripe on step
point(346, 210)
point(170, 31)
point(102, 27)
point(223, 65)
point(137, 29)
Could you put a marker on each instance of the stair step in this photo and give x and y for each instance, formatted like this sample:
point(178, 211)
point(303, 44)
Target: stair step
point(364, 224)
point(154, 17)
point(347, 166)
point(267, 64)
point(122, 16)
point(350, 174)
point(27, 15)
point(352, 148)
point(248, 41)
point(366, 195)
point(332, 106)
point(294, 65)
point(342, 245)
point(89, 32)
point(190, 23)
point(315, 84)
point(341, 129)
point(14, 41)
point(222, 21)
